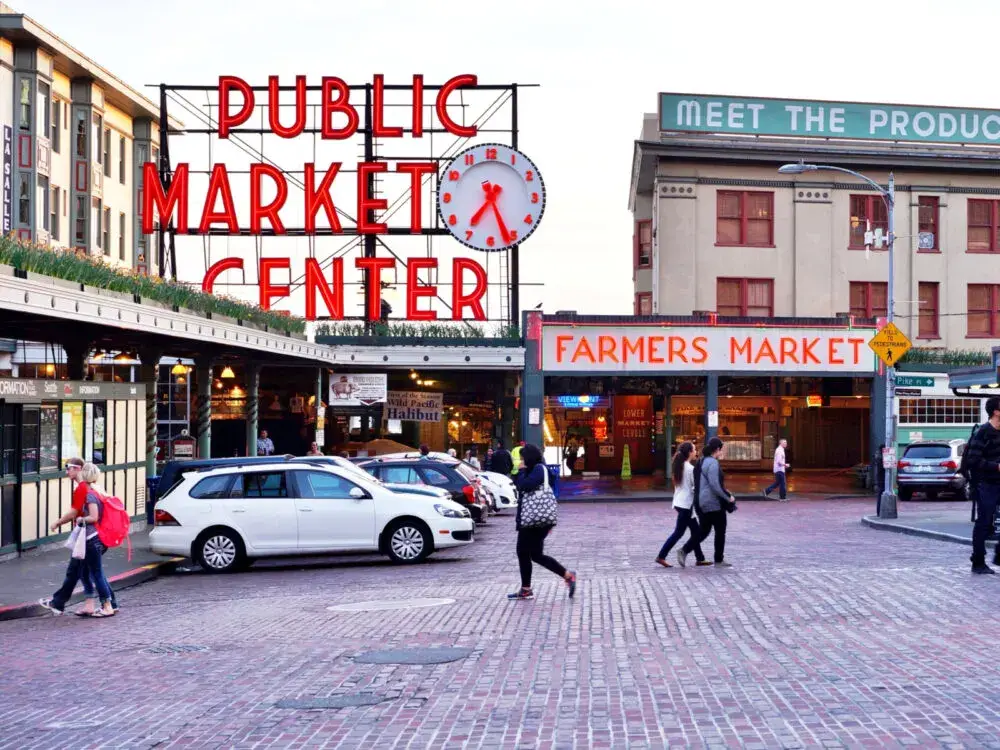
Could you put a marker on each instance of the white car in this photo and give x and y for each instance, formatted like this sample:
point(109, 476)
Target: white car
point(224, 518)
point(500, 487)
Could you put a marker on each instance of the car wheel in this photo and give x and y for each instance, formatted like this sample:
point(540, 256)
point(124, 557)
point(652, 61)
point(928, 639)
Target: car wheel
point(221, 551)
point(905, 494)
point(408, 542)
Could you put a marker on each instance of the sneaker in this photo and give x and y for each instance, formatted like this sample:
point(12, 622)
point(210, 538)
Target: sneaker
point(682, 558)
point(703, 563)
point(723, 564)
point(47, 604)
point(764, 493)
point(782, 499)
point(522, 594)
point(571, 583)
point(983, 570)
point(661, 561)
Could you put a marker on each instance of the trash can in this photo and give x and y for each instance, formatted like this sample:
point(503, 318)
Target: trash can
point(151, 484)
point(554, 477)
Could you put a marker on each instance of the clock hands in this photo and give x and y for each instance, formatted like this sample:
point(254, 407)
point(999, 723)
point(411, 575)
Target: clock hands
point(492, 192)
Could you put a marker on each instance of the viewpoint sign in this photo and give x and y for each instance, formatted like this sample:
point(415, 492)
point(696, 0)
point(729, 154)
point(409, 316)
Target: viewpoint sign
point(702, 113)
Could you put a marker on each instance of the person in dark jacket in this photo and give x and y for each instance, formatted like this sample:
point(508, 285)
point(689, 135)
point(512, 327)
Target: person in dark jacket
point(713, 501)
point(502, 462)
point(984, 467)
point(531, 541)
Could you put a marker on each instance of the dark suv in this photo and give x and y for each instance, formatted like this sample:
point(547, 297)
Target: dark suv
point(460, 480)
point(931, 467)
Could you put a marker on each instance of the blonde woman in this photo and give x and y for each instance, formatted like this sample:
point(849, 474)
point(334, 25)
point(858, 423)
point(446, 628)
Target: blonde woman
point(86, 509)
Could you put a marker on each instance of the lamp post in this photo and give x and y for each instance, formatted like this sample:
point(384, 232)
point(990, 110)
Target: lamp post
point(887, 502)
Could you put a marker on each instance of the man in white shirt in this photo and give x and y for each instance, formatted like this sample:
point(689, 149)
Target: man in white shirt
point(779, 472)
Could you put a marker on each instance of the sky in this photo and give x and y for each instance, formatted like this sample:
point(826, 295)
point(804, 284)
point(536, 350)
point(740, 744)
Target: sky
point(599, 66)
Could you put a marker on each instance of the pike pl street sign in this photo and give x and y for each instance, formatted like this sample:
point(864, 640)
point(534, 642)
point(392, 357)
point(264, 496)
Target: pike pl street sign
point(890, 344)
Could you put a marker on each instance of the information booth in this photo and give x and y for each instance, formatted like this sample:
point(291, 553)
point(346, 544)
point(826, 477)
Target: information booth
point(43, 423)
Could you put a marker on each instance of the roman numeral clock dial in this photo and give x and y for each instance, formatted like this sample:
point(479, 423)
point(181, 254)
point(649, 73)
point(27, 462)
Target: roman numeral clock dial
point(491, 197)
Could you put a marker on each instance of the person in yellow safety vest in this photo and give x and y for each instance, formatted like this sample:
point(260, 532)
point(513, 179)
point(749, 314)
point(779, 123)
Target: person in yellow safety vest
point(515, 456)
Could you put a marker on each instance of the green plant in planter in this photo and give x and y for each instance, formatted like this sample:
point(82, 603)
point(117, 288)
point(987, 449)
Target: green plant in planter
point(93, 271)
point(948, 357)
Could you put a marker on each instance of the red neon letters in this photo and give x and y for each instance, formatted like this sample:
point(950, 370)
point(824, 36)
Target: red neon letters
point(333, 293)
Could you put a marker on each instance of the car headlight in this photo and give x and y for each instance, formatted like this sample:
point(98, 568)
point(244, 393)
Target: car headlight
point(447, 512)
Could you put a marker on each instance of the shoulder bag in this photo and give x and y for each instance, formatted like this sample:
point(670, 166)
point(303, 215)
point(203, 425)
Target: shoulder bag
point(539, 507)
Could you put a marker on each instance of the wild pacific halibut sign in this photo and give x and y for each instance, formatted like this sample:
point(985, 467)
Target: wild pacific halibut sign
point(857, 120)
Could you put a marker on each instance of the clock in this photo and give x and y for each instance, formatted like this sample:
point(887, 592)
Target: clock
point(491, 197)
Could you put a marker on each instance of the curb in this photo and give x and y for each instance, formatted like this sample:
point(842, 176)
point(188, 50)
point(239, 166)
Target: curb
point(647, 498)
point(121, 581)
point(941, 536)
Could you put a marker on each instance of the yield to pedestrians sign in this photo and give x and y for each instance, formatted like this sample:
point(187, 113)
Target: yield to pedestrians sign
point(890, 344)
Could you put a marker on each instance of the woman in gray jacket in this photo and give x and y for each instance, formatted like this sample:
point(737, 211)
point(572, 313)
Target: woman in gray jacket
point(713, 502)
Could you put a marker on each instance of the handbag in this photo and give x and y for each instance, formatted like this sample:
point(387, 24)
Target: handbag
point(70, 542)
point(80, 544)
point(539, 507)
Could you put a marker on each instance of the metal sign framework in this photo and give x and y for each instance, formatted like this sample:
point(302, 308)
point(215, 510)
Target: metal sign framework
point(489, 102)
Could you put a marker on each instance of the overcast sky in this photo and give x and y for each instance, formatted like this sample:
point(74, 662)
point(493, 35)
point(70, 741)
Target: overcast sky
point(600, 66)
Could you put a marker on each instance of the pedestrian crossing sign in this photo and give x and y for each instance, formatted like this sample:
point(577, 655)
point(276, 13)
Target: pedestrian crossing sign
point(890, 344)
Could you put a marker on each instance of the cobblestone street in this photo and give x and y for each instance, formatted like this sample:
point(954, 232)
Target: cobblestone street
point(824, 634)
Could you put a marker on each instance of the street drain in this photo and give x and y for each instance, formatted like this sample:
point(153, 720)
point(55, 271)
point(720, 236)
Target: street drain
point(377, 606)
point(414, 656)
point(174, 648)
point(333, 701)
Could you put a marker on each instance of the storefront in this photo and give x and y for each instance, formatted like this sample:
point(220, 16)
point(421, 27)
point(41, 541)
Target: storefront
point(928, 409)
point(43, 423)
point(604, 387)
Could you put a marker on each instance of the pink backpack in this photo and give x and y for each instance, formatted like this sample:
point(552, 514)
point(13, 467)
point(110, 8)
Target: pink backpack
point(114, 526)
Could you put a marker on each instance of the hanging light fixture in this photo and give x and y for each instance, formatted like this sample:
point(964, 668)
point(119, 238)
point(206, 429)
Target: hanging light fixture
point(413, 375)
point(227, 373)
point(122, 357)
point(178, 369)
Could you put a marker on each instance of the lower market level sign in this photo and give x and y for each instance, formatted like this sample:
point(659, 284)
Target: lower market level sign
point(890, 344)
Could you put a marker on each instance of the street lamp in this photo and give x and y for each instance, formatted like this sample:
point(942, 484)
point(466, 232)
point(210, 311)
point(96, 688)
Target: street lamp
point(887, 503)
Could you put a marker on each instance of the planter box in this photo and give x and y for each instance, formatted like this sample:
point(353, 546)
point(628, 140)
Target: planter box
point(6, 270)
point(147, 302)
point(126, 296)
point(219, 318)
point(40, 278)
point(417, 341)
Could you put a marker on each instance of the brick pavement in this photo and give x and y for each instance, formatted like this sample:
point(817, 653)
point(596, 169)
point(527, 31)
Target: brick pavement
point(825, 634)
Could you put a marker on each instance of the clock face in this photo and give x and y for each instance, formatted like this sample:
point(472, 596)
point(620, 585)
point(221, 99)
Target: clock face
point(491, 197)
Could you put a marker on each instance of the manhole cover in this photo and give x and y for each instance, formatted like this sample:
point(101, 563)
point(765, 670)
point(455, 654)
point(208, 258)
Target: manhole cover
point(174, 648)
point(75, 724)
point(333, 701)
point(389, 604)
point(414, 656)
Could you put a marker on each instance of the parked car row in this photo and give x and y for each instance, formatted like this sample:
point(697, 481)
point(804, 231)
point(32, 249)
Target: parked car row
point(225, 513)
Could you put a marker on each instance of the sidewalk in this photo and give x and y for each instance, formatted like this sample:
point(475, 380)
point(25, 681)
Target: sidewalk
point(950, 524)
point(25, 580)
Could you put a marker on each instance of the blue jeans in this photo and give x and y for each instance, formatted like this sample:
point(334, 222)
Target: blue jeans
point(89, 585)
point(685, 521)
point(779, 483)
point(89, 570)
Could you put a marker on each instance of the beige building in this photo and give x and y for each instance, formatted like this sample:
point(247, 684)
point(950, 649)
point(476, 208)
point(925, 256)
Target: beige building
point(718, 229)
point(74, 139)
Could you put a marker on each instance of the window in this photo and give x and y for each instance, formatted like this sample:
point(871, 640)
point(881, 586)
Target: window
point(643, 244)
point(72, 430)
point(25, 119)
point(928, 310)
point(44, 124)
point(212, 488)
point(320, 484)
point(984, 311)
point(644, 303)
point(867, 209)
point(121, 236)
point(107, 152)
point(399, 475)
point(40, 438)
point(43, 195)
point(106, 227)
point(99, 430)
point(983, 227)
point(869, 299)
point(56, 132)
point(81, 133)
point(927, 220)
point(96, 134)
point(54, 214)
point(96, 203)
point(121, 160)
point(746, 298)
point(80, 220)
point(744, 218)
point(24, 199)
point(8, 439)
point(260, 485)
point(939, 411)
point(434, 477)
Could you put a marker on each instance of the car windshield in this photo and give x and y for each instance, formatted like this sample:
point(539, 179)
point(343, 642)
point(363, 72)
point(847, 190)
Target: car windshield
point(928, 451)
point(467, 472)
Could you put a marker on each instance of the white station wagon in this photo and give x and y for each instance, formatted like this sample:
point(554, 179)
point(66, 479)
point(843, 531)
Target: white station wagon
point(224, 518)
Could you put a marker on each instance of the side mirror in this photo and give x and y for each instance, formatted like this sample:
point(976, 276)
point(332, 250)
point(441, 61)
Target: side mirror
point(358, 494)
